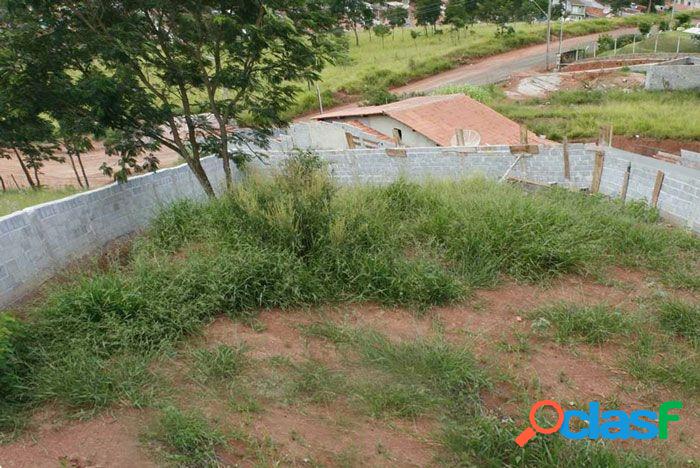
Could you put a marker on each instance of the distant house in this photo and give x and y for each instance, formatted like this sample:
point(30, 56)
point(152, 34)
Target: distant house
point(687, 4)
point(580, 9)
point(433, 121)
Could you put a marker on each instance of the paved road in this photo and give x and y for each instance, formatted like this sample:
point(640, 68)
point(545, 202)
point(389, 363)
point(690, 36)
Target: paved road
point(499, 67)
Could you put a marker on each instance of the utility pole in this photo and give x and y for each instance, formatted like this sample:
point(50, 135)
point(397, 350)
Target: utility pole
point(561, 36)
point(549, 29)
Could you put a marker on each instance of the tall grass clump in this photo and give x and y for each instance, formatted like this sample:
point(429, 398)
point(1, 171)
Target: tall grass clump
point(296, 239)
point(592, 324)
point(188, 439)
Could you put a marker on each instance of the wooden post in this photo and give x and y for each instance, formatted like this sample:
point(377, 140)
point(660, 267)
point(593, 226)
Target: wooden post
point(657, 188)
point(397, 137)
point(606, 135)
point(350, 139)
point(459, 136)
point(523, 134)
point(567, 167)
point(597, 171)
point(625, 183)
point(2, 182)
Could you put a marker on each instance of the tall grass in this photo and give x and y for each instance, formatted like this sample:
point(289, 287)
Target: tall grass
point(580, 114)
point(15, 200)
point(297, 239)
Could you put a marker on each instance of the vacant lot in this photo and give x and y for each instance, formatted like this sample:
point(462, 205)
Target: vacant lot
point(293, 322)
point(580, 114)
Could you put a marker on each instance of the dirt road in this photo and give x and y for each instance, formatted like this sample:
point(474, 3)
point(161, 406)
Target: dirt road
point(499, 67)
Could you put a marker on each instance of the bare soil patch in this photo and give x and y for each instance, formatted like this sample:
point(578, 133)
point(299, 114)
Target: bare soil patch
point(492, 324)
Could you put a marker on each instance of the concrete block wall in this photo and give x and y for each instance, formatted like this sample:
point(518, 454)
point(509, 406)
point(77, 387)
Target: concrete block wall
point(665, 77)
point(37, 241)
point(679, 199)
point(690, 159)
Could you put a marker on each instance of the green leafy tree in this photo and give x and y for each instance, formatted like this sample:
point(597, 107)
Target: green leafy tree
point(456, 10)
point(381, 31)
point(29, 76)
point(181, 74)
point(428, 12)
point(617, 5)
point(396, 16)
point(353, 13)
point(500, 12)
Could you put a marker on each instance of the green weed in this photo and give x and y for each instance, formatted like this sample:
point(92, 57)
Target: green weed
point(592, 324)
point(188, 438)
point(680, 318)
point(222, 363)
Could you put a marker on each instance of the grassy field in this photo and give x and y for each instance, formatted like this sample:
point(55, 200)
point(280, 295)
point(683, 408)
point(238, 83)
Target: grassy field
point(113, 336)
point(402, 59)
point(668, 42)
point(580, 114)
point(15, 200)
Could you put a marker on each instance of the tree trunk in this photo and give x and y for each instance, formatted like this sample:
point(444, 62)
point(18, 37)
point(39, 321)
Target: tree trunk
point(82, 169)
point(24, 169)
point(36, 177)
point(357, 36)
point(2, 183)
point(75, 169)
point(196, 167)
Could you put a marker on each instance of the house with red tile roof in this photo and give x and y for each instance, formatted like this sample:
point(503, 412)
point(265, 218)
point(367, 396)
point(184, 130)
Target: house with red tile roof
point(434, 121)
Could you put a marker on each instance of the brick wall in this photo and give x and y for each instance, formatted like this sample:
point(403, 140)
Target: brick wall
point(37, 241)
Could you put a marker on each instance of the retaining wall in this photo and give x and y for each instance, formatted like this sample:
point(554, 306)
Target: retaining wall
point(667, 77)
point(37, 241)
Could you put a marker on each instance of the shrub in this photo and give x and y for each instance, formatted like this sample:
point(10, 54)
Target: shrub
point(645, 28)
point(377, 96)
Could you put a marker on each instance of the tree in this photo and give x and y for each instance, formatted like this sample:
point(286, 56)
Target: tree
point(353, 12)
point(414, 35)
point(28, 77)
point(499, 12)
point(396, 16)
point(644, 28)
point(180, 74)
point(455, 11)
point(428, 12)
point(381, 31)
point(617, 5)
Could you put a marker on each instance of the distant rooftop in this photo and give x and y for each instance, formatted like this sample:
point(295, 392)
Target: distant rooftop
point(437, 118)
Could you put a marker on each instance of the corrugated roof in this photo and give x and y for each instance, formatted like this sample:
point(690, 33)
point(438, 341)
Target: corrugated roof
point(437, 118)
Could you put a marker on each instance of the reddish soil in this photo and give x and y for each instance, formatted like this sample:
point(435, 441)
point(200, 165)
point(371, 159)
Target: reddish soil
point(107, 440)
point(300, 432)
point(55, 174)
point(608, 63)
point(651, 146)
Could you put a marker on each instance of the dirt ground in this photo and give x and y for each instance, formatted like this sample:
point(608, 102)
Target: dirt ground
point(55, 174)
point(526, 86)
point(490, 324)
